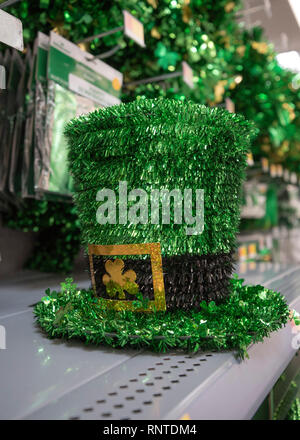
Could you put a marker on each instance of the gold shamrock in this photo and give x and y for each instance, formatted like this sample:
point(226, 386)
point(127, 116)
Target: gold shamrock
point(117, 282)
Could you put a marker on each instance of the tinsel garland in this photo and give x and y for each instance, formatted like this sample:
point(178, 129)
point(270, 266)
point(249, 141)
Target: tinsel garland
point(294, 412)
point(154, 144)
point(247, 316)
point(58, 235)
point(227, 60)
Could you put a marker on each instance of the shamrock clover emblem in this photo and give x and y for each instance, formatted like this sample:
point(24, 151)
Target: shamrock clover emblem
point(117, 282)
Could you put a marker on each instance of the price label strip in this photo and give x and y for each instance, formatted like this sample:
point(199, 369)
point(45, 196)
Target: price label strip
point(11, 31)
point(187, 75)
point(2, 78)
point(76, 70)
point(229, 104)
point(134, 29)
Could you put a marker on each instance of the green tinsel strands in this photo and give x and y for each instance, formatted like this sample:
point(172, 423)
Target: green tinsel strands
point(247, 316)
point(155, 144)
point(294, 412)
point(58, 235)
point(227, 61)
point(164, 145)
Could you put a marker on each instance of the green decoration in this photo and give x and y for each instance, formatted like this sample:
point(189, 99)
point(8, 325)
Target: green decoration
point(294, 412)
point(247, 316)
point(207, 36)
point(57, 228)
point(165, 58)
point(66, 105)
point(143, 143)
point(155, 144)
point(161, 147)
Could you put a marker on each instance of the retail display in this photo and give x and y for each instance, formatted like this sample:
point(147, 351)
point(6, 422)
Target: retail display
point(226, 61)
point(52, 84)
point(185, 282)
point(149, 151)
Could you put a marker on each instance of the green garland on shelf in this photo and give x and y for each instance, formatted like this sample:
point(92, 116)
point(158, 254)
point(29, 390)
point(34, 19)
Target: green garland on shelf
point(227, 60)
point(247, 316)
point(58, 235)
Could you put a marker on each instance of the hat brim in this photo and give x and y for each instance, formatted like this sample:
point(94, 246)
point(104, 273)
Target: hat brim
point(249, 314)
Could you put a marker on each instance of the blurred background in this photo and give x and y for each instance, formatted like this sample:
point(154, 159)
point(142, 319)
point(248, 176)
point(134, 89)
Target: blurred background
point(242, 55)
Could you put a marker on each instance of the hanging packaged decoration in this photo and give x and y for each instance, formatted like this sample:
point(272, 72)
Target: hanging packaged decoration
point(27, 173)
point(77, 85)
point(16, 144)
point(13, 110)
point(41, 86)
point(11, 30)
point(254, 199)
point(46, 88)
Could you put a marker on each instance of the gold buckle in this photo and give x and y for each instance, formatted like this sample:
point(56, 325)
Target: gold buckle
point(118, 282)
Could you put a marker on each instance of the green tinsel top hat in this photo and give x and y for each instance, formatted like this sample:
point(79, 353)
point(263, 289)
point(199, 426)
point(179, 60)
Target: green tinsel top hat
point(159, 145)
point(156, 267)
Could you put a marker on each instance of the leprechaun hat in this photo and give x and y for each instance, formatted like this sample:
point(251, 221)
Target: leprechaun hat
point(147, 149)
point(155, 266)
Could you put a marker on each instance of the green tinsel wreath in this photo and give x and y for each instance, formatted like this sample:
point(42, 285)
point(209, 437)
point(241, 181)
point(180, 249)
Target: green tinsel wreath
point(247, 316)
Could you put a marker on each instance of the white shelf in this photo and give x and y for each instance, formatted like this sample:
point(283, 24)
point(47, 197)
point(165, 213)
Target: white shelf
point(54, 379)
